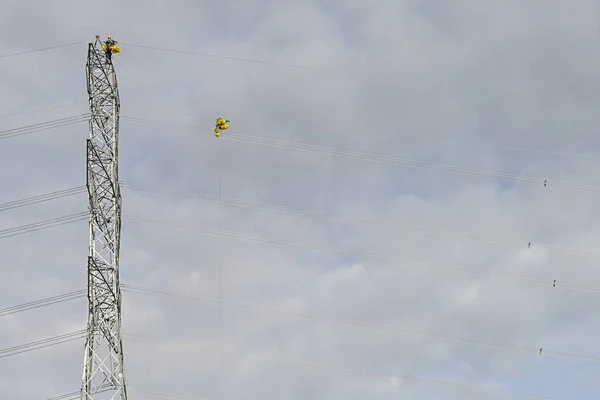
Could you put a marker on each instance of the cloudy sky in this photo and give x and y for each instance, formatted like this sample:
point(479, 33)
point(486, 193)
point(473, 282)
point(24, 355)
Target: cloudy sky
point(360, 232)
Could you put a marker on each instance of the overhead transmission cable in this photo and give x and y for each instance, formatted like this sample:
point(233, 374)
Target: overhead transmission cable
point(49, 108)
point(410, 163)
point(60, 339)
point(248, 307)
point(153, 394)
point(309, 213)
point(369, 325)
point(43, 126)
point(247, 60)
point(42, 344)
point(215, 56)
point(206, 55)
point(77, 395)
point(147, 393)
point(48, 301)
point(68, 396)
point(413, 138)
point(335, 152)
point(391, 160)
point(418, 138)
point(59, 194)
point(569, 285)
point(403, 263)
point(45, 224)
point(57, 46)
point(330, 368)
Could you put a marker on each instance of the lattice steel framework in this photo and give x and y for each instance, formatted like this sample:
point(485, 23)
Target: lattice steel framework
point(103, 370)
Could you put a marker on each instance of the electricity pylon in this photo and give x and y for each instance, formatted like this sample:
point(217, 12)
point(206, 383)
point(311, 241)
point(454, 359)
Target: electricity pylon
point(103, 369)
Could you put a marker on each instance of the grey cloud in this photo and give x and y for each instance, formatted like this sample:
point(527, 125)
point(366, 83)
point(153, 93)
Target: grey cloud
point(499, 73)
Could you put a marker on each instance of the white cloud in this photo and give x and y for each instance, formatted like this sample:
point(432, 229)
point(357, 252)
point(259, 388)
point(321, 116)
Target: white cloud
point(504, 74)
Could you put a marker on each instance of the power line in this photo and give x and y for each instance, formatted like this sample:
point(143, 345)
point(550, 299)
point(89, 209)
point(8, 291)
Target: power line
point(68, 396)
point(45, 224)
point(332, 151)
point(147, 393)
point(60, 339)
point(49, 126)
point(216, 302)
point(58, 46)
point(386, 136)
point(42, 303)
point(206, 55)
point(330, 368)
point(391, 160)
point(169, 396)
point(42, 344)
point(511, 242)
point(74, 395)
point(308, 213)
point(406, 263)
point(418, 139)
point(409, 163)
point(43, 126)
point(49, 108)
point(568, 285)
point(247, 60)
point(59, 194)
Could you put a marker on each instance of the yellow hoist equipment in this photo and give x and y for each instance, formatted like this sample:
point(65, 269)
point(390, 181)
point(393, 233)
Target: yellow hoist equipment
point(111, 46)
point(220, 125)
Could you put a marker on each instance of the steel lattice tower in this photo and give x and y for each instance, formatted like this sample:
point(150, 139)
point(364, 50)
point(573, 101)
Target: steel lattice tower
point(103, 370)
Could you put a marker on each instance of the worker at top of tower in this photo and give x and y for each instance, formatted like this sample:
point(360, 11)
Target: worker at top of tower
point(220, 125)
point(111, 46)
